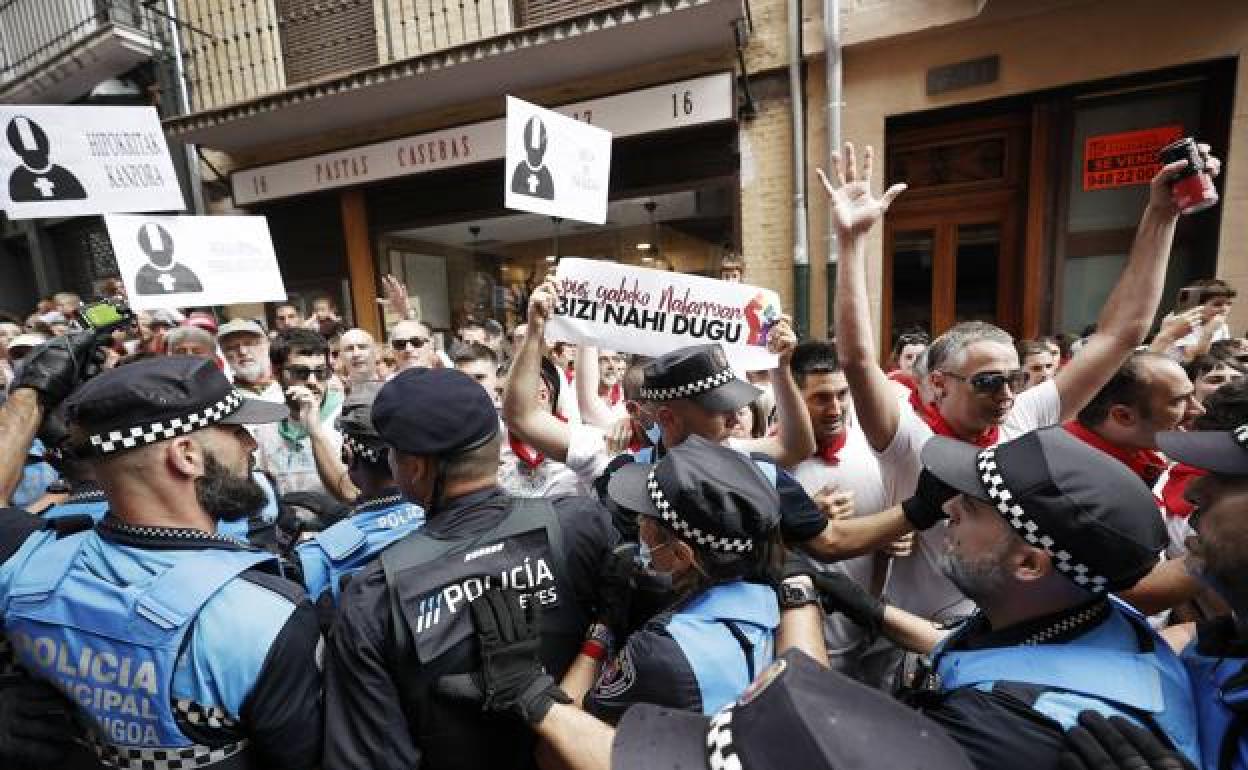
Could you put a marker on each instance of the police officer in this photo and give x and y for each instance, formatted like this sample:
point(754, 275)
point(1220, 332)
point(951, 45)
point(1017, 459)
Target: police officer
point(403, 621)
point(36, 726)
point(709, 521)
point(380, 515)
point(1218, 655)
point(171, 640)
point(1042, 530)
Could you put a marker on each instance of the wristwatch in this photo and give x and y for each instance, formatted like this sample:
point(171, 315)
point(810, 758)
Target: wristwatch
point(794, 594)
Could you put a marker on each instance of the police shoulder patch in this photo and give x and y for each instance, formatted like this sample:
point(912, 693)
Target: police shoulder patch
point(618, 677)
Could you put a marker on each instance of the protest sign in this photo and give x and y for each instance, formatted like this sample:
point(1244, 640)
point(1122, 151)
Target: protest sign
point(189, 261)
point(75, 160)
point(556, 165)
point(652, 312)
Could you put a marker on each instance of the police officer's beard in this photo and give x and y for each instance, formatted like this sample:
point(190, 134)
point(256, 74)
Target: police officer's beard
point(227, 497)
point(978, 578)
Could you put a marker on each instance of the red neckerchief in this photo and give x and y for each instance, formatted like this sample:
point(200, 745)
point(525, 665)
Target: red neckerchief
point(569, 374)
point(615, 395)
point(828, 452)
point(1146, 464)
point(639, 439)
point(1181, 474)
point(905, 378)
point(931, 415)
point(527, 454)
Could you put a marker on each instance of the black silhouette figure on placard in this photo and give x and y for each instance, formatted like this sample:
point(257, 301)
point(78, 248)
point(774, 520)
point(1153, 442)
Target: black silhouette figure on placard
point(531, 176)
point(161, 274)
point(38, 179)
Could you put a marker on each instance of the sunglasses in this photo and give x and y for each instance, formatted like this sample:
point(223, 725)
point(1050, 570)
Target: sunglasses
point(988, 383)
point(302, 373)
point(399, 343)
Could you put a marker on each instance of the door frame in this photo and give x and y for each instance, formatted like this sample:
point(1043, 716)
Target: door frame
point(943, 216)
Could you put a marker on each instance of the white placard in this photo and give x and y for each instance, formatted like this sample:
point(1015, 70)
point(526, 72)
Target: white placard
point(70, 161)
point(192, 261)
point(693, 102)
point(652, 312)
point(554, 165)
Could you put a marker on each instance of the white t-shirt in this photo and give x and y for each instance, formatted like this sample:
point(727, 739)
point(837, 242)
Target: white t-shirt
point(915, 582)
point(272, 392)
point(858, 471)
point(548, 479)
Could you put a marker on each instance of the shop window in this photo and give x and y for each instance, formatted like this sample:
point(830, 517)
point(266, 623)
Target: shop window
point(1113, 143)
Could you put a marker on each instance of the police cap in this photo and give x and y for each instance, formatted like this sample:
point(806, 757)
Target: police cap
point(157, 399)
point(698, 373)
point(434, 412)
point(796, 714)
point(1095, 517)
point(711, 496)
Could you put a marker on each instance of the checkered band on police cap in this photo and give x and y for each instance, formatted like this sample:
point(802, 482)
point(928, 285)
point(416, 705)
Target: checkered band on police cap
point(1240, 435)
point(362, 450)
point(691, 389)
point(721, 751)
point(1006, 502)
point(688, 531)
point(148, 433)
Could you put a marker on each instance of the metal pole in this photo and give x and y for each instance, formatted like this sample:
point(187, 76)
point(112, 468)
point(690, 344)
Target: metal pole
point(832, 64)
point(801, 256)
point(184, 105)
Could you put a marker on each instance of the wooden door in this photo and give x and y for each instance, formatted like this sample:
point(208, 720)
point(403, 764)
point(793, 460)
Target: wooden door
point(953, 241)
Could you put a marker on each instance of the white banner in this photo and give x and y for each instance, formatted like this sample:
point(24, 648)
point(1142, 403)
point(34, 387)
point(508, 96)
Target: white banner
point(651, 312)
point(72, 161)
point(555, 166)
point(191, 261)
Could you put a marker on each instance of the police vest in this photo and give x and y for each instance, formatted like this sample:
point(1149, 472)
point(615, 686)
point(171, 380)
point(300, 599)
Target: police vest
point(89, 503)
point(430, 583)
point(728, 634)
point(113, 649)
point(1095, 672)
point(347, 547)
point(1221, 688)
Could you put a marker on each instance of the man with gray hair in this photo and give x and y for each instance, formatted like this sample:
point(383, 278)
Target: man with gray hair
point(972, 369)
point(191, 341)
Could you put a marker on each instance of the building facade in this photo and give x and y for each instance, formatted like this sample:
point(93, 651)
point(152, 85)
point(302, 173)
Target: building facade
point(369, 132)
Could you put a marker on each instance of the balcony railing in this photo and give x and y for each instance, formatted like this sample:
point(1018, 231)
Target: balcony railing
point(36, 33)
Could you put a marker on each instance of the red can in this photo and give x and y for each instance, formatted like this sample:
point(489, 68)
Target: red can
point(1193, 188)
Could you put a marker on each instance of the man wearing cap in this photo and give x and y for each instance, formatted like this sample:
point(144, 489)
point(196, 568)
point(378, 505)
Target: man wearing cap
point(1217, 657)
point(246, 349)
point(177, 643)
point(1042, 529)
point(403, 621)
point(36, 729)
point(710, 526)
point(379, 517)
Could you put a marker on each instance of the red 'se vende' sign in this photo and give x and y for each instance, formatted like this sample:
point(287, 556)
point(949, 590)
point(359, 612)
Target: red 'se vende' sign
point(1119, 160)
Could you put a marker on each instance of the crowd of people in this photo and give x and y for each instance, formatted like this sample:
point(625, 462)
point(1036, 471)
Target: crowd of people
point(232, 544)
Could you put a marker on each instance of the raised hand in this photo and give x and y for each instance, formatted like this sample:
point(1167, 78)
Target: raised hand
point(855, 210)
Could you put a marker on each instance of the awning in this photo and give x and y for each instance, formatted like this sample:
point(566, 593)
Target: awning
point(604, 41)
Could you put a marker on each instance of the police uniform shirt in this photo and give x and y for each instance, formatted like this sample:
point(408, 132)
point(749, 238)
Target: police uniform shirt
point(998, 728)
point(368, 722)
point(280, 717)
